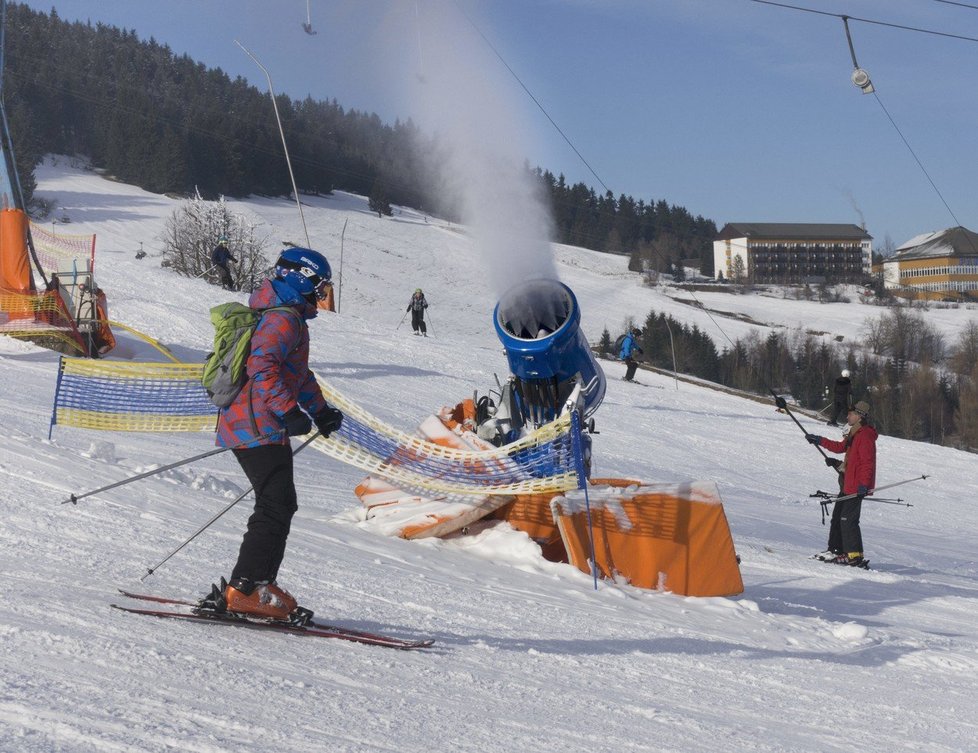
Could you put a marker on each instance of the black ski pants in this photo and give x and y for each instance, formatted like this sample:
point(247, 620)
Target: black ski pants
point(227, 281)
point(417, 321)
point(839, 411)
point(844, 532)
point(269, 469)
point(632, 365)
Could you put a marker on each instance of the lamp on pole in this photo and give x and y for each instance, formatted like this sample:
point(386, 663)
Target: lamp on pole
point(672, 344)
point(285, 146)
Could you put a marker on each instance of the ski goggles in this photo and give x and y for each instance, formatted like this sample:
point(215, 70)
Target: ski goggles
point(319, 284)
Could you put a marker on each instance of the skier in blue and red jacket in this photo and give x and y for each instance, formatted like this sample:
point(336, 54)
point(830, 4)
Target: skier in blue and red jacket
point(275, 403)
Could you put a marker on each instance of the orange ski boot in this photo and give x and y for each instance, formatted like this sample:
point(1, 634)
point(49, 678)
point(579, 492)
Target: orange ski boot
point(267, 600)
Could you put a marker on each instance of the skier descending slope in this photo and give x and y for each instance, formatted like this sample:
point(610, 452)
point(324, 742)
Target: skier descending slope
point(416, 306)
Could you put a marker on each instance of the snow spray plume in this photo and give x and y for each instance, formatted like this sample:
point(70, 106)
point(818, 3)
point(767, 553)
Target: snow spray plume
point(479, 164)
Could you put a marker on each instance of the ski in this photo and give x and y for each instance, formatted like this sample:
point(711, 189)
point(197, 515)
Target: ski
point(642, 384)
point(864, 565)
point(314, 629)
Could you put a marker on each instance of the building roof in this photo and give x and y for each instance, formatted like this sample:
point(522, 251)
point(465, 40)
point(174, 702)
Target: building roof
point(955, 241)
point(802, 231)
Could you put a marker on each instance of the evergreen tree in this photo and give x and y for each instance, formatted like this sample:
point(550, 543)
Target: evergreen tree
point(605, 345)
point(378, 199)
point(679, 272)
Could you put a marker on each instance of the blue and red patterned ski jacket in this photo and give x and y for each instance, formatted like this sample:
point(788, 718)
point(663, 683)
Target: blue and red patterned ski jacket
point(279, 377)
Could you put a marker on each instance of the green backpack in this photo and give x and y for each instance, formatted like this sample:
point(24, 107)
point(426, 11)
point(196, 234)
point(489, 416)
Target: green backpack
point(225, 369)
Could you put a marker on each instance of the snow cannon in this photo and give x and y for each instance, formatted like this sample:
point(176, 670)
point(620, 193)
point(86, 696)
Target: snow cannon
point(538, 323)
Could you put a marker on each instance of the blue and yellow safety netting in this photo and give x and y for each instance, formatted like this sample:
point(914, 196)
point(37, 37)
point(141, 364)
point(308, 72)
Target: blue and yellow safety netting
point(128, 396)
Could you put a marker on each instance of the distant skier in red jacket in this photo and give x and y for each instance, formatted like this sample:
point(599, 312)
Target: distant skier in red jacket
point(859, 478)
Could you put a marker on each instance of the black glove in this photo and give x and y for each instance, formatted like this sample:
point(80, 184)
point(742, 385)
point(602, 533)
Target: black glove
point(833, 463)
point(297, 423)
point(813, 438)
point(781, 403)
point(862, 491)
point(328, 420)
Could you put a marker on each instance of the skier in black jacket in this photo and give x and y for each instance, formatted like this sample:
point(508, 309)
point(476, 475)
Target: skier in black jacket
point(220, 257)
point(842, 398)
point(417, 306)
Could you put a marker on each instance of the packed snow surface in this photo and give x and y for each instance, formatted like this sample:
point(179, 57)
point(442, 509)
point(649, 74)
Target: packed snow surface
point(811, 657)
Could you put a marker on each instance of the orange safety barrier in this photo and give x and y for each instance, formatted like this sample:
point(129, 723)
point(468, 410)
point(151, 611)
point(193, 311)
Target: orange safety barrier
point(530, 513)
point(672, 537)
point(15, 270)
point(398, 512)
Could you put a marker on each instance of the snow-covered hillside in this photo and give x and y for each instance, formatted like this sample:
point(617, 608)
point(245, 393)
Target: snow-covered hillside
point(528, 656)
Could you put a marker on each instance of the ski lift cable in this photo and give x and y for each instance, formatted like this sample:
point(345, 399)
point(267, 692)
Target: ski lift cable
point(417, 23)
point(917, 160)
point(530, 95)
point(872, 90)
point(845, 20)
point(962, 5)
point(868, 20)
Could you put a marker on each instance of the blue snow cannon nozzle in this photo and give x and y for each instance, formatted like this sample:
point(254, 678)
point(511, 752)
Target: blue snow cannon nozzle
point(538, 323)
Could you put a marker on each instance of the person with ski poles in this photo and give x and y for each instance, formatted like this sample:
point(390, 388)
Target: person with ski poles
point(842, 398)
point(416, 306)
point(220, 257)
point(279, 399)
point(859, 478)
point(630, 346)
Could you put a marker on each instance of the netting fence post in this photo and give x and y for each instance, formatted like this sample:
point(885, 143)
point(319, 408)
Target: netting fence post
point(57, 390)
point(577, 447)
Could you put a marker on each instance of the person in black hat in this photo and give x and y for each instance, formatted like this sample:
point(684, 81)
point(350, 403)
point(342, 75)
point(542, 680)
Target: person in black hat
point(629, 347)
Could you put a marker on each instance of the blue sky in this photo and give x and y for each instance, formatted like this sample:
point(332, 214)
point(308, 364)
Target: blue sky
point(739, 111)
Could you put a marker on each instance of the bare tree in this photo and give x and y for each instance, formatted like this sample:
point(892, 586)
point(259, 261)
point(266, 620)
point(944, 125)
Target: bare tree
point(192, 231)
point(903, 333)
point(964, 355)
point(966, 415)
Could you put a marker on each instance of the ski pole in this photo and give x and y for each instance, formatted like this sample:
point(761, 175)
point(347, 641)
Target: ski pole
point(401, 322)
point(783, 405)
point(75, 497)
point(210, 522)
point(429, 324)
point(886, 486)
point(898, 501)
point(206, 271)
